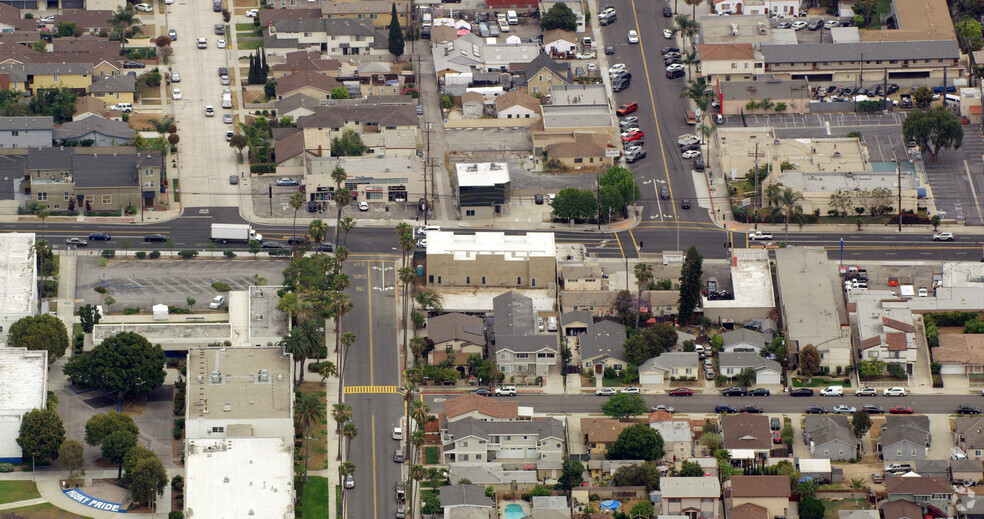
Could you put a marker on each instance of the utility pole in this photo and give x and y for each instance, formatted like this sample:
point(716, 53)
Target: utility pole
point(427, 161)
point(755, 178)
point(898, 169)
point(598, 198)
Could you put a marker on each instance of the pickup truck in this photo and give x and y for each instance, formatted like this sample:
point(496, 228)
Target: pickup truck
point(759, 235)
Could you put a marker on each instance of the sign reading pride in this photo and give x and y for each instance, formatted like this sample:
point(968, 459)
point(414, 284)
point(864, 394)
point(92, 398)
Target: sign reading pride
point(91, 502)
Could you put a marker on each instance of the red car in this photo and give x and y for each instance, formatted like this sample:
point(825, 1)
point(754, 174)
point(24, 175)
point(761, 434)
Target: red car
point(900, 409)
point(680, 391)
point(776, 437)
point(633, 136)
point(626, 109)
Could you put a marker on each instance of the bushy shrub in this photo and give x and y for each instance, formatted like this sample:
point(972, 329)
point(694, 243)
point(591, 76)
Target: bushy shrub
point(108, 253)
point(6, 467)
point(155, 254)
point(221, 287)
point(100, 290)
point(188, 254)
point(141, 254)
point(131, 311)
point(229, 254)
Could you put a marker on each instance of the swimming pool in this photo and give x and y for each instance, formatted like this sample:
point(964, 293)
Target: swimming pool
point(514, 511)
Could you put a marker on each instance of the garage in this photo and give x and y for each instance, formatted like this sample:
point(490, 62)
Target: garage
point(651, 378)
point(767, 376)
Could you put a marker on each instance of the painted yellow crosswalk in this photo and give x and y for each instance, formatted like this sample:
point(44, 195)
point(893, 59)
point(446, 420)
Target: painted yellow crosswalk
point(371, 389)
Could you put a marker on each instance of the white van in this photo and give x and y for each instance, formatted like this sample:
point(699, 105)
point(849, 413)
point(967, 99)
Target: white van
point(512, 18)
point(551, 324)
point(832, 391)
point(426, 20)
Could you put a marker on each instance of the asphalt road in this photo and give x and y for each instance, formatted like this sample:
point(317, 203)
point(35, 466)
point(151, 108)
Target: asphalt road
point(589, 403)
point(371, 364)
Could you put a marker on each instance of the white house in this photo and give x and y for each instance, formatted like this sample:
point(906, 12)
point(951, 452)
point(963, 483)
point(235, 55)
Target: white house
point(659, 370)
point(762, 7)
point(23, 387)
point(767, 371)
point(517, 105)
point(558, 41)
point(743, 340)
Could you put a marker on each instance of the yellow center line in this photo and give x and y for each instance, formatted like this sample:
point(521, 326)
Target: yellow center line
point(372, 434)
point(620, 244)
point(372, 380)
point(652, 102)
point(634, 244)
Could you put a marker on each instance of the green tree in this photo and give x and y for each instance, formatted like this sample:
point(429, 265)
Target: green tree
point(395, 34)
point(922, 97)
point(690, 285)
point(308, 410)
point(125, 362)
point(560, 17)
point(68, 29)
point(571, 474)
point(130, 460)
point(115, 446)
point(623, 406)
point(809, 360)
point(59, 103)
point(349, 144)
point(148, 480)
point(810, 508)
point(637, 442)
point(935, 221)
point(339, 93)
point(41, 435)
point(787, 204)
point(124, 23)
point(860, 423)
point(643, 274)
point(690, 470)
point(572, 203)
point(40, 332)
point(643, 508)
point(870, 368)
point(698, 91)
point(303, 341)
point(933, 130)
point(71, 454)
point(622, 182)
point(969, 35)
point(787, 434)
point(101, 425)
point(711, 440)
point(645, 474)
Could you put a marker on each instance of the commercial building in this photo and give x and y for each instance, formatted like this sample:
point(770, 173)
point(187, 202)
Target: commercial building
point(751, 278)
point(23, 387)
point(491, 259)
point(482, 189)
point(375, 179)
point(18, 279)
point(811, 307)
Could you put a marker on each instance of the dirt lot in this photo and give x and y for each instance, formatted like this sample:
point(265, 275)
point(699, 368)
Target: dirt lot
point(140, 121)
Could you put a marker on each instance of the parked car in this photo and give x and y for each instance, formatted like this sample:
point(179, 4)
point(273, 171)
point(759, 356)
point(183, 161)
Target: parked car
point(173, 34)
point(967, 409)
point(155, 237)
point(872, 409)
point(609, 49)
point(100, 236)
point(217, 302)
point(676, 73)
point(482, 391)
point(724, 408)
point(843, 409)
point(943, 236)
point(735, 391)
point(630, 391)
point(816, 409)
point(144, 8)
point(776, 437)
point(801, 391)
point(832, 391)
point(775, 424)
point(606, 391)
point(680, 391)
point(667, 12)
point(626, 109)
point(866, 391)
point(363, 205)
point(349, 481)
point(288, 182)
point(895, 391)
point(751, 409)
point(759, 391)
point(901, 409)
point(662, 407)
point(78, 242)
point(271, 244)
point(634, 153)
point(505, 391)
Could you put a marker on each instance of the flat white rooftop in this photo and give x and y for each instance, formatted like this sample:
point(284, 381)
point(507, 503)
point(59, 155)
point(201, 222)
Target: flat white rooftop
point(23, 379)
point(963, 274)
point(235, 383)
point(476, 174)
point(751, 278)
point(516, 247)
point(18, 269)
point(239, 477)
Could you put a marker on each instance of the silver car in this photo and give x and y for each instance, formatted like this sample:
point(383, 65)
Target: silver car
point(227, 118)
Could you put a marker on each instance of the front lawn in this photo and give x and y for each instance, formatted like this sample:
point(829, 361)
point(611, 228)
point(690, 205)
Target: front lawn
point(830, 508)
point(317, 447)
point(243, 27)
point(44, 511)
point(315, 499)
point(820, 382)
point(250, 45)
point(430, 455)
point(18, 490)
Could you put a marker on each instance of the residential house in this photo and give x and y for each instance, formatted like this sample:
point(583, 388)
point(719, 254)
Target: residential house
point(26, 132)
point(600, 433)
point(11, 21)
point(114, 89)
point(461, 55)
point(338, 38)
point(579, 150)
point(543, 73)
point(583, 277)
point(103, 54)
point(464, 335)
point(767, 371)
point(517, 105)
point(901, 509)
point(678, 439)
point(510, 443)
point(361, 118)
point(602, 346)
point(518, 348)
point(86, 106)
point(743, 340)
point(476, 407)
point(472, 105)
point(931, 494)
point(770, 492)
point(885, 330)
point(550, 507)
point(694, 498)
point(729, 62)
point(574, 323)
point(788, 8)
point(90, 20)
point(559, 43)
point(968, 507)
point(965, 469)
point(960, 354)
point(830, 436)
point(968, 435)
point(304, 61)
point(102, 132)
point(464, 501)
point(494, 474)
point(74, 76)
point(296, 106)
point(669, 367)
point(905, 438)
point(938, 469)
point(858, 514)
point(749, 511)
point(597, 302)
point(309, 83)
point(661, 303)
point(746, 436)
point(380, 13)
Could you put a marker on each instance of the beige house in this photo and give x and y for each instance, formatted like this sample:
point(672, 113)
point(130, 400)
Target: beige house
point(464, 335)
point(583, 277)
point(600, 433)
point(543, 73)
point(576, 150)
point(517, 105)
point(728, 61)
point(696, 498)
point(960, 354)
point(770, 492)
point(379, 12)
point(491, 259)
point(678, 439)
point(374, 179)
point(477, 407)
point(597, 302)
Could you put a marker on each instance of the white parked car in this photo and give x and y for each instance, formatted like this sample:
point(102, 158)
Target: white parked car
point(630, 391)
point(220, 43)
point(175, 94)
point(668, 34)
point(145, 8)
point(799, 25)
point(202, 43)
point(633, 36)
point(895, 391)
point(398, 433)
point(606, 391)
point(253, 13)
point(943, 236)
point(505, 391)
point(616, 69)
point(691, 154)
point(866, 391)
point(675, 67)
point(831, 23)
point(686, 139)
point(363, 206)
point(217, 302)
point(843, 409)
point(175, 77)
point(209, 111)
point(585, 55)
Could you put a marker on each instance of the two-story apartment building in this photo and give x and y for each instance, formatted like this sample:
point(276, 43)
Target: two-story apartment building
point(360, 118)
point(729, 61)
point(380, 13)
point(335, 38)
point(968, 435)
point(93, 179)
point(885, 330)
point(583, 277)
point(26, 132)
point(517, 348)
point(464, 335)
point(509, 443)
point(114, 89)
point(696, 498)
point(678, 439)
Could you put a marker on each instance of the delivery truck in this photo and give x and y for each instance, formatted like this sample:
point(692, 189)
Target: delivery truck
point(227, 232)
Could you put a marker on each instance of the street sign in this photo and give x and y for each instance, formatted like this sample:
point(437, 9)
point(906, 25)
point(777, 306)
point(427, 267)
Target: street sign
point(745, 202)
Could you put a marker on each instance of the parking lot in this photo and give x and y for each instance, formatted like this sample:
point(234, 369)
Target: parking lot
point(489, 139)
point(957, 179)
point(144, 283)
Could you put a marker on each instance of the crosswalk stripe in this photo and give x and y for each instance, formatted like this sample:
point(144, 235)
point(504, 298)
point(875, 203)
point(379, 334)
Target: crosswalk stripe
point(371, 389)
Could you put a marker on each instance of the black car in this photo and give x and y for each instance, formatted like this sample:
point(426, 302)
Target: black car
point(538, 199)
point(690, 147)
point(325, 246)
point(724, 408)
point(156, 237)
point(735, 391)
point(667, 50)
point(872, 409)
point(698, 164)
point(751, 409)
point(100, 236)
point(685, 203)
point(312, 206)
point(816, 409)
point(618, 86)
point(673, 74)
point(298, 240)
point(671, 61)
point(133, 64)
point(759, 391)
point(892, 88)
point(270, 244)
point(623, 75)
point(609, 49)
point(815, 24)
point(775, 424)
point(483, 391)
point(801, 391)
point(667, 12)
point(967, 409)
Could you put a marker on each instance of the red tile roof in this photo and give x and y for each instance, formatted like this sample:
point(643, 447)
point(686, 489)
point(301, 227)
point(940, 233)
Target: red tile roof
point(898, 325)
point(895, 341)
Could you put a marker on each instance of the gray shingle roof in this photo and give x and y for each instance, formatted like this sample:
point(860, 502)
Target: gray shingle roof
point(455, 326)
point(543, 61)
point(293, 102)
point(873, 51)
point(546, 428)
point(577, 316)
point(105, 170)
point(50, 159)
point(603, 339)
point(114, 84)
point(76, 129)
point(27, 123)
point(513, 315)
point(11, 168)
point(58, 68)
point(670, 360)
point(460, 495)
point(747, 360)
point(825, 429)
point(526, 343)
point(744, 335)
point(913, 431)
point(333, 27)
point(381, 115)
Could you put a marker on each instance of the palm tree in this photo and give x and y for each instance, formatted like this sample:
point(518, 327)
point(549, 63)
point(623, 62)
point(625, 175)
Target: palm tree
point(347, 224)
point(643, 273)
point(345, 470)
point(327, 369)
point(401, 229)
point(697, 91)
point(42, 212)
point(406, 275)
point(417, 345)
point(301, 343)
point(694, 4)
point(415, 473)
point(788, 205)
point(341, 413)
point(125, 22)
point(704, 132)
point(308, 410)
point(318, 231)
point(350, 431)
point(684, 25)
point(409, 389)
point(342, 196)
point(689, 59)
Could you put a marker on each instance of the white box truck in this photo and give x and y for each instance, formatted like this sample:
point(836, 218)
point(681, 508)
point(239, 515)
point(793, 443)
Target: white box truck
point(226, 232)
point(226, 100)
